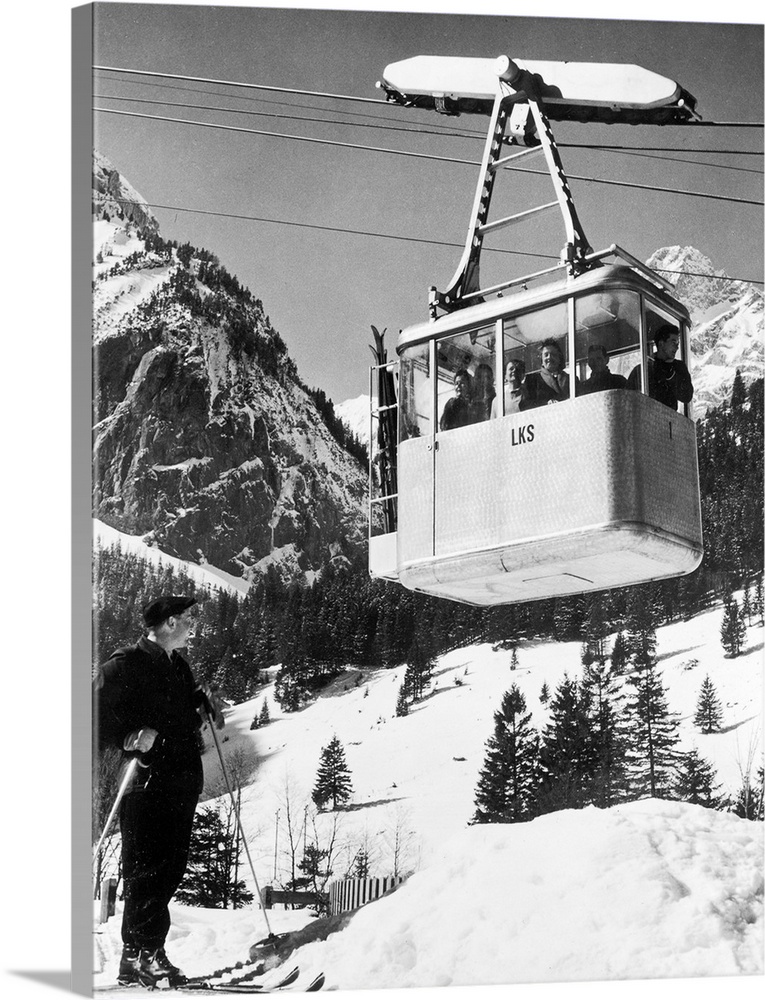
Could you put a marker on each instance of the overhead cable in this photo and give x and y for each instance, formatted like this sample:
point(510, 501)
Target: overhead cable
point(330, 229)
point(424, 156)
point(340, 97)
point(346, 97)
point(392, 236)
point(419, 130)
point(422, 130)
point(467, 133)
point(239, 83)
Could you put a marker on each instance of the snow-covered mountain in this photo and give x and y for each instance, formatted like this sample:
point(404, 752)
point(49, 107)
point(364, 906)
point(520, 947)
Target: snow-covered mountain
point(727, 318)
point(644, 890)
point(728, 331)
point(354, 413)
point(206, 440)
point(115, 198)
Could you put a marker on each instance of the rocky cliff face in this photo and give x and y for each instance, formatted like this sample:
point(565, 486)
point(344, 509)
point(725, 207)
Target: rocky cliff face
point(727, 317)
point(206, 441)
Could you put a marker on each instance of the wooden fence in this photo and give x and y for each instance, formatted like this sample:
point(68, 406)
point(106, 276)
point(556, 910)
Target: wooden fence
point(350, 893)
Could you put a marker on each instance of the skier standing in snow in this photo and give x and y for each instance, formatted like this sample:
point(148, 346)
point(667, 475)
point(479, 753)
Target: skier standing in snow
point(146, 704)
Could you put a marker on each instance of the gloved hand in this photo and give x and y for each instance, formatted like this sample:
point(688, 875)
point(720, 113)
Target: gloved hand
point(140, 740)
point(213, 703)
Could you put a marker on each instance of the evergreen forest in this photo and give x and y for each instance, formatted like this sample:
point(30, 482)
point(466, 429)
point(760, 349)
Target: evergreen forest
point(313, 632)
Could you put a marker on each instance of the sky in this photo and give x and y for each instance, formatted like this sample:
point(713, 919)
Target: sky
point(323, 289)
point(37, 500)
point(649, 889)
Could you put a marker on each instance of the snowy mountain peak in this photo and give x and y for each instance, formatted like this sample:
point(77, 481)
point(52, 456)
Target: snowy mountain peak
point(207, 443)
point(727, 318)
point(354, 413)
point(114, 198)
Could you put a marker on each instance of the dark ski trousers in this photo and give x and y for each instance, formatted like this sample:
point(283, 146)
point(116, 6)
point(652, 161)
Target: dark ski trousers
point(156, 832)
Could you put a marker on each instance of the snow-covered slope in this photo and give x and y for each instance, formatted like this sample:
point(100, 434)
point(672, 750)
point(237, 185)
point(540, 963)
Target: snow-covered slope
point(417, 774)
point(642, 890)
point(105, 537)
point(645, 890)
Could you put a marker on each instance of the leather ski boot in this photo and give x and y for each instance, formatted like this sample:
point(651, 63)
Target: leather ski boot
point(128, 972)
point(155, 966)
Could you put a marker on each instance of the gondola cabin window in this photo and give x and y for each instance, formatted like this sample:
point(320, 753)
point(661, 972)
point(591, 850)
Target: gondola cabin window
point(466, 378)
point(536, 357)
point(416, 389)
point(606, 339)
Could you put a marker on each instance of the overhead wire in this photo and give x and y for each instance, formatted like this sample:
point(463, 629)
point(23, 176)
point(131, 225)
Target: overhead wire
point(426, 156)
point(425, 130)
point(446, 130)
point(392, 236)
point(239, 83)
point(344, 97)
point(375, 116)
point(331, 229)
point(421, 130)
point(641, 151)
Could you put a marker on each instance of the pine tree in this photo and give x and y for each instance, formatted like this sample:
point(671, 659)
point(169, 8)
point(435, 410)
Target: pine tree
point(619, 655)
point(419, 670)
point(214, 858)
point(746, 606)
point(544, 694)
point(265, 716)
point(333, 779)
point(758, 604)
point(697, 782)
point(738, 392)
point(750, 798)
point(567, 756)
point(708, 708)
point(507, 783)
point(595, 631)
point(315, 869)
point(402, 702)
point(361, 864)
point(641, 620)
point(609, 739)
point(652, 733)
point(733, 629)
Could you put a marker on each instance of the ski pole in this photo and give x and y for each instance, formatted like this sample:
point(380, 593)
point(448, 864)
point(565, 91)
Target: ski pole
point(235, 807)
point(120, 795)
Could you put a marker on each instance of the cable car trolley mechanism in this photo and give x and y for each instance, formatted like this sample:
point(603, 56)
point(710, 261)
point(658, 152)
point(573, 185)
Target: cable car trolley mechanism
point(480, 490)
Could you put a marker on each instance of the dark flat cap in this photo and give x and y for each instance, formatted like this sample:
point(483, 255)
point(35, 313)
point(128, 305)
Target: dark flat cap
point(162, 608)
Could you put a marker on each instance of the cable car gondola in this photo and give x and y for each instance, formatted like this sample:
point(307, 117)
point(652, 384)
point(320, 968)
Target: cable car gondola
point(499, 497)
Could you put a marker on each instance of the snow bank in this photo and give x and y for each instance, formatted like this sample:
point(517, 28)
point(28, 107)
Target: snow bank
point(644, 890)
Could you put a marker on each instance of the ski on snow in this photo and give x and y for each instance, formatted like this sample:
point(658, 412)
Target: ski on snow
point(201, 986)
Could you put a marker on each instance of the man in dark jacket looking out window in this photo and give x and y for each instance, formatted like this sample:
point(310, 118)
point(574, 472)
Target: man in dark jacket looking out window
point(669, 380)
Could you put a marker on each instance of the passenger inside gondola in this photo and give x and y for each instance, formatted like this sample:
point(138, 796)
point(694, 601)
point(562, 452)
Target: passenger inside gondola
point(457, 409)
point(602, 377)
point(551, 383)
point(483, 394)
point(514, 389)
point(669, 380)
